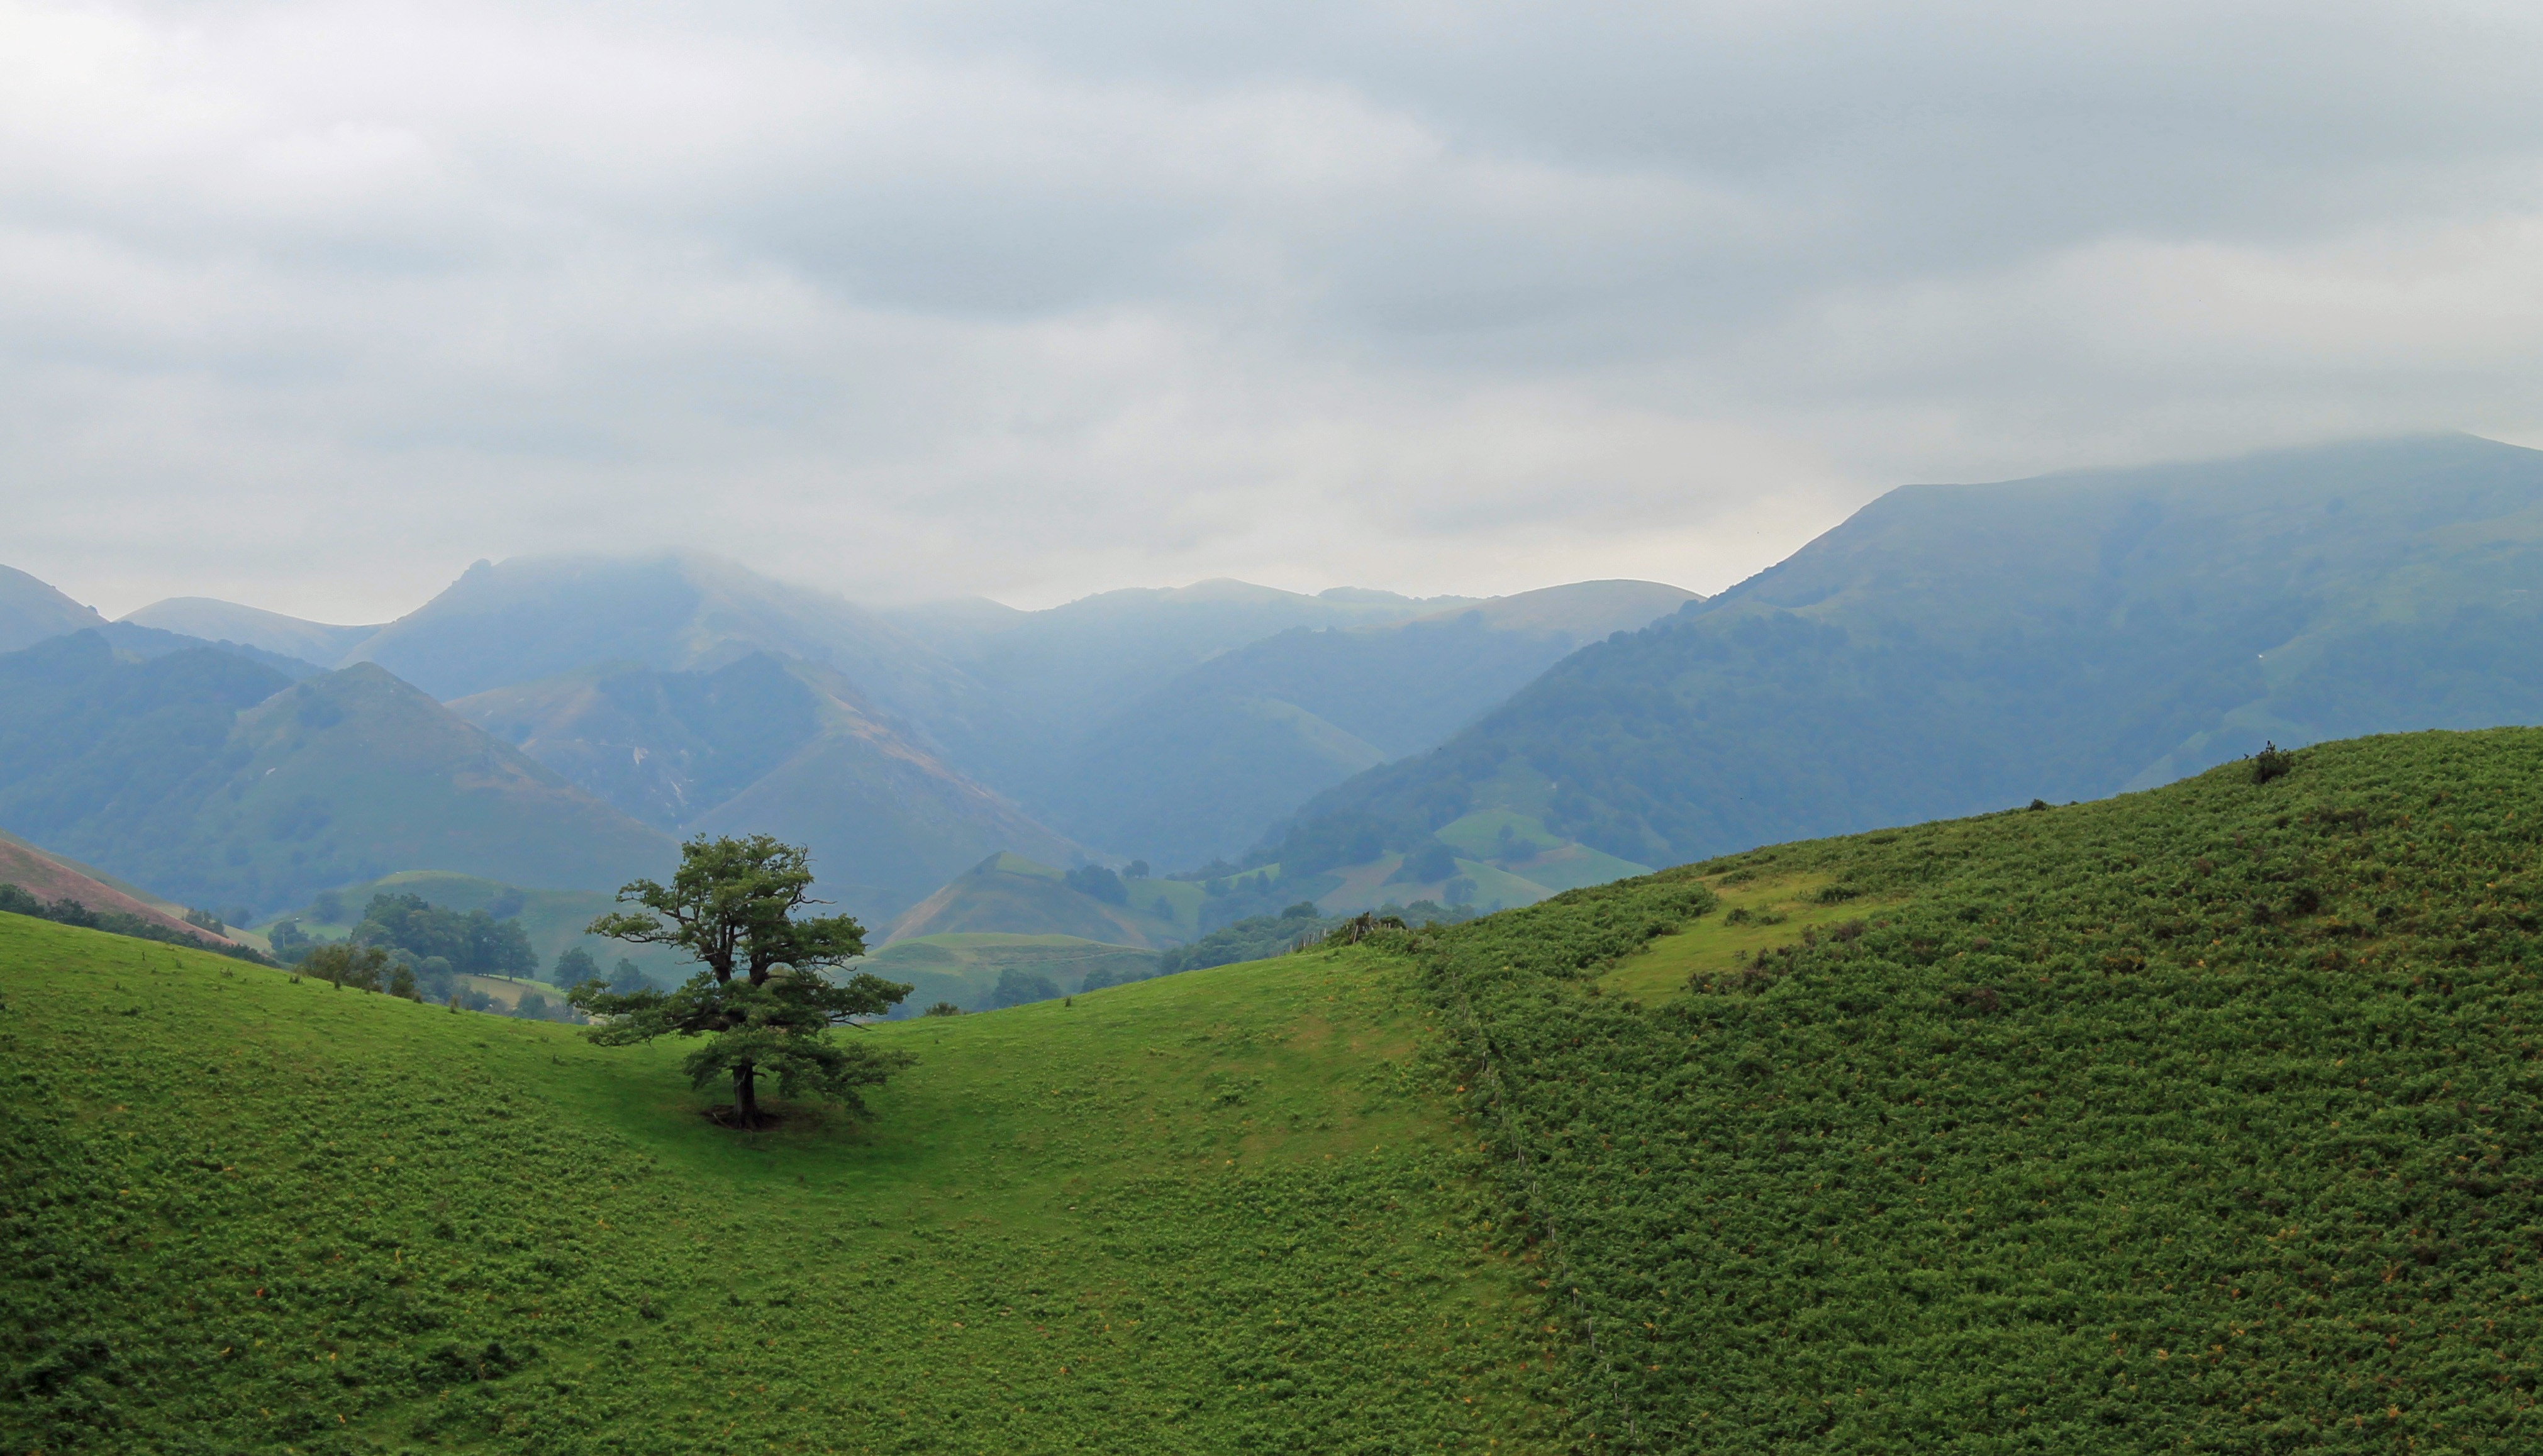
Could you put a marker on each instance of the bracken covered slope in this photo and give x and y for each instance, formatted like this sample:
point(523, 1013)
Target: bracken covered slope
point(2208, 1118)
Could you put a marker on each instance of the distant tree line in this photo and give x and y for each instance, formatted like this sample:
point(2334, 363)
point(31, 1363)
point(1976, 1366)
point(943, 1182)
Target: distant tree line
point(18, 901)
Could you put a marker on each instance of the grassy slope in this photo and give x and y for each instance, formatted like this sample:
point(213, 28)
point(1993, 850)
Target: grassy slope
point(1219, 1211)
point(2208, 1118)
point(965, 969)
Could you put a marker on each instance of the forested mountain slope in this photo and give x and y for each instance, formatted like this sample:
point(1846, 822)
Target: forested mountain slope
point(2205, 1118)
point(1956, 648)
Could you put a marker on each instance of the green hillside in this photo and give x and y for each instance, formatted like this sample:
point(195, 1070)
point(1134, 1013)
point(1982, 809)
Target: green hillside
point(218, 780)
point(2204, 1118)
point(1223, 1211)
point(1956, 649)
point(965, 968)
point(1013, 896)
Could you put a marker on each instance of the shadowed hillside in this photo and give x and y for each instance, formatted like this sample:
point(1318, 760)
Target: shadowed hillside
point(1958, 647)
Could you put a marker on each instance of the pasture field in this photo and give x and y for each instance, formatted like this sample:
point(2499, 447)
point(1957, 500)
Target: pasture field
point(1225, 1211)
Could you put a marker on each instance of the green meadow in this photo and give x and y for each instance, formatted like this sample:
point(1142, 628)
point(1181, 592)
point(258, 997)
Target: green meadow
point(1229, 1210)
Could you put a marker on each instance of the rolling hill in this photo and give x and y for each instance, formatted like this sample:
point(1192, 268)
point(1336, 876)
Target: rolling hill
point(2204, 1118)
point(965, 968)
point(219, 781)
point(1221, 1211)
point(49, 876)
point(764, 744)
point(1956, 648)
point(1010, 895)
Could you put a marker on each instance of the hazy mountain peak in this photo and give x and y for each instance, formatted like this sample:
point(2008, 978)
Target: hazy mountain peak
point(214, 620)
point(32, 611)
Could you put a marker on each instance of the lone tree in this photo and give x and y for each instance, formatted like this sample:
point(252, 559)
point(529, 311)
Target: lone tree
point(762, 999)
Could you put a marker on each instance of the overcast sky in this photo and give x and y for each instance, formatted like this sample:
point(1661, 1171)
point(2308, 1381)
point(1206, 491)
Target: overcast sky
point(310, 305)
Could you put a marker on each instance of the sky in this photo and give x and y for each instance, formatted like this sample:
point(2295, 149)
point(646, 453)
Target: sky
point(311, 305)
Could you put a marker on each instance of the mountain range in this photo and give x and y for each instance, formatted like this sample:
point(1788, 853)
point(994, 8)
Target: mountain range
point(558, 723)
point(1954, 649)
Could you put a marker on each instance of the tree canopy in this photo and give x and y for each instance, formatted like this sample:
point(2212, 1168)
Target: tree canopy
point(764, 997)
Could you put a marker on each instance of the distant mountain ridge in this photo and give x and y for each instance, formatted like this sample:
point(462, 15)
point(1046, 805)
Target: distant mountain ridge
point(32, 611)
point(766, 745)
point(1191, 771)
point(211, 620)
point(1952, 648)
point(220, 780)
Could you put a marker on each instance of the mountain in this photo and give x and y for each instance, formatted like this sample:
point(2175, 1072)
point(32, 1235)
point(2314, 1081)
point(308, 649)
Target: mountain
point(220, 621)
point(49, 876)
point(1067, 667)
point(222, 782)
point(530, 619)
point(1951, 649)
point(1011, 894)
point(1191, 771)
point(765, 745)
point(31, 611)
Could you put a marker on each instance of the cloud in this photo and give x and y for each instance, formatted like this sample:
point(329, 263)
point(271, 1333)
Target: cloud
point(311, 304)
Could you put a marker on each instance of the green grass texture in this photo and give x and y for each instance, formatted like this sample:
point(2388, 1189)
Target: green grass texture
point(2208, 1118)
point(1228, 1211)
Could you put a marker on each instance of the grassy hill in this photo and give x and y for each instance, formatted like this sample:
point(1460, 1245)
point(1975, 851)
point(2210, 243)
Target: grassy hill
point(963, 968)
point(1223, 1211)
point(1956, 649)
point(2204, 1118)
point(1014, 896)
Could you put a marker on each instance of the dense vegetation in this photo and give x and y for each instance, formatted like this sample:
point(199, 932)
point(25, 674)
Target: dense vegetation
point(1221, 1211)
point(2204, 1118)
point(15, 900)
point(1952, 650)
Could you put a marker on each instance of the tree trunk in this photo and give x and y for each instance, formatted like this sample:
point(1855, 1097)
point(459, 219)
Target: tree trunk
point(746, 1088)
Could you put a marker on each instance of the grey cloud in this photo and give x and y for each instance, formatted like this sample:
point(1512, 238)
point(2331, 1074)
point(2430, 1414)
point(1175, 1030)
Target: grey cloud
point(312, 305)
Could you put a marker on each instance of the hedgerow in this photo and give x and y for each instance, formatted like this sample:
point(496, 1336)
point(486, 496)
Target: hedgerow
point(2205, 1118)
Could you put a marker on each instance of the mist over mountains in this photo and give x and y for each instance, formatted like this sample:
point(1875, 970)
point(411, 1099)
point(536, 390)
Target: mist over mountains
point(1956, 649)
point(558, 722)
